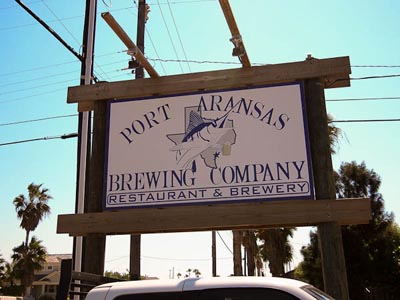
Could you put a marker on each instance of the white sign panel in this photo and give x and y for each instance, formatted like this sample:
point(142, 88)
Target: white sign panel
point(212, 147)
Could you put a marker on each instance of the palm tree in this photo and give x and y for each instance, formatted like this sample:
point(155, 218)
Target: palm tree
point(259, 261)
point(237, 252)
point(335, 133)
point(2, 270)
point(26, 260)
point(31, 211)
point(9, 274)
point(276, 248)
point(249, 241)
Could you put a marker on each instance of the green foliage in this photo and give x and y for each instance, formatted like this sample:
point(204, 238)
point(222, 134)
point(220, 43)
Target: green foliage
point(14, 290)
point(30, 256)
point(275, 248)
point(117, 275)
point(371, 251)
point(2, 268)
point(310, 268)
point(189, 273)
point(2, 272)
point(32, 210)
point(334, 134)
point(27, 260)
point(7, 280)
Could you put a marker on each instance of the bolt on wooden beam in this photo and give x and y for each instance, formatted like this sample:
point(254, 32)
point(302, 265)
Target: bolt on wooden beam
point(236, 39)
point(129, 44)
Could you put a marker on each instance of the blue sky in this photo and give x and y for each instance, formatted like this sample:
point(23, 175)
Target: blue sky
point(36, 71)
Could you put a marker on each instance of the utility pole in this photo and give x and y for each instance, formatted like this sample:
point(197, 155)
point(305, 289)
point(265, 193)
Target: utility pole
point(135, 243)
point(84, 126)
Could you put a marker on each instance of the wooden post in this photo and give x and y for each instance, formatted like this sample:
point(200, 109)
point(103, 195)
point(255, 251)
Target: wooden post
point(329, 233)
point(237, 253)
point(95, 244)
point(135, 244)
point(134, 261)
point(214, 253)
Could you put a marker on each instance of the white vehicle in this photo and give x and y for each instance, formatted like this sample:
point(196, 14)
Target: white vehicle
point(216, 288)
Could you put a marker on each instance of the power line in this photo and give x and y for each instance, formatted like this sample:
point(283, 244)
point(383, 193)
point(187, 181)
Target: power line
point(169, 259)
point(37, 78)
point(38, 120)
point(155, 50)
point(366, 120)
point(330, 100)
point(66, 136)
point(37, 68)
point(365, 78)
point(34, 95)
point(375, 66)
point(159, 60)
point(53, 21)
point(229, 249)
point(179, 36)
point(36, 87)
point(183, 259)
point(199, 61)
point(256, 64)
point(169, 34)
point(73, 37)
point(363, 99)
point(55, 65)
point(51, 76)
point(63, 137)
point(187, 1)
point(12, 6)
point(62, 24)
point(374, 77)
point(151, 40)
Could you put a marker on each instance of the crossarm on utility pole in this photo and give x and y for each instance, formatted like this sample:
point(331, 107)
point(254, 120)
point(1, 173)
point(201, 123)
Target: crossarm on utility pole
point(236, 37)
point(129, 44)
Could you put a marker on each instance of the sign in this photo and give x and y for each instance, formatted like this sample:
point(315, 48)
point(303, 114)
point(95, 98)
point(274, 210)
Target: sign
point(246, 144)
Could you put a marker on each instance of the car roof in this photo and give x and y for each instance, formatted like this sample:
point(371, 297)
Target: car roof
point(190, 284)
point(241, 281)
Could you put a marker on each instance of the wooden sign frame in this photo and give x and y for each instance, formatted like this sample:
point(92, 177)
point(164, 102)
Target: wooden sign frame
point(221, 216)
point(332, 72)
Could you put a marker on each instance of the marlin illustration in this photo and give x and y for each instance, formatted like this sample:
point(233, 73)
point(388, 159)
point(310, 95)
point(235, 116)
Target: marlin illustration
point(201, 135)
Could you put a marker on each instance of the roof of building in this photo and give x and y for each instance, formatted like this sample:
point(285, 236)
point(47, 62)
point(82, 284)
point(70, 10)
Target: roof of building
point(56, 258)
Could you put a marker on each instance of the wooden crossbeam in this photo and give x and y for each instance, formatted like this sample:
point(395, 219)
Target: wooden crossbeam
point(129, 44)
point(236, 37)
point(222, 216)
point(334, 72)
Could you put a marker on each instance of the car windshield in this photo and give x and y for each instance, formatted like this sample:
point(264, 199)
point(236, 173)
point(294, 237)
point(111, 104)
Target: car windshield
point(316, 293)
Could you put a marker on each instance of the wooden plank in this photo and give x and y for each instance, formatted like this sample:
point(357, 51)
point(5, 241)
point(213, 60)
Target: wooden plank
point(222, 216)
point(137, 53)
point(333, 69)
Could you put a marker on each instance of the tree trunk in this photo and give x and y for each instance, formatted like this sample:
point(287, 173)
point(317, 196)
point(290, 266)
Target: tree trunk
point(251, 252)
point(237, 253)
point(274, 251)
point(27, 239)
point(27, 291)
